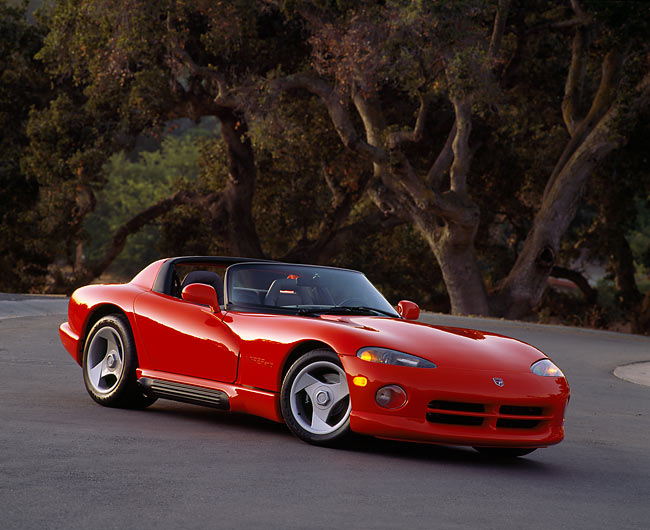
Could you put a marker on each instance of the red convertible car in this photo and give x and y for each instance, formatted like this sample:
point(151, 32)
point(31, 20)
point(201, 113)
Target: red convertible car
point(318, 348)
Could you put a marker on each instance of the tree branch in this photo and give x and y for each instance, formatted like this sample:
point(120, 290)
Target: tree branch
point(420, 200)
point(443, 161)
point(498, 29)
point(602, 102)
point(575, 79)
point(395, 139)
point(343, 200)
point(338, 114)
point(137, 222)
point(328, 245)
point(588, 291)
point(523, 287)
point(420, 196)
point(373, 121)
point(338, 193)
point(460, 146)
point(179, 57)
point(96, 269)
point(400, 177)
point(512, 66)
point(577, 9)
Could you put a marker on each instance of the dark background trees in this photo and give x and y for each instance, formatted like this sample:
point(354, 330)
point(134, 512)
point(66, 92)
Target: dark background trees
point(459, 152)
point(23, 84)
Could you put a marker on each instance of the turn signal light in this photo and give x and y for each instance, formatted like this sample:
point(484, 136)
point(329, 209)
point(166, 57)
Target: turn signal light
point(360, 381)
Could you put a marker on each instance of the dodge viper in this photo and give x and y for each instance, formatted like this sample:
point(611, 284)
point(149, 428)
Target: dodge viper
point(318, 348)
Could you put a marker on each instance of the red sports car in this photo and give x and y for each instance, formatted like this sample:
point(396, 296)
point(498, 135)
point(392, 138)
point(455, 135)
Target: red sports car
point(318, 348)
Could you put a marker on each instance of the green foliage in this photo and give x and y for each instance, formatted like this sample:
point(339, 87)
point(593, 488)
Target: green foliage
point(295, 147)
point(64, 157)
point(132, 186)
point(106, 70)
point(187, 230)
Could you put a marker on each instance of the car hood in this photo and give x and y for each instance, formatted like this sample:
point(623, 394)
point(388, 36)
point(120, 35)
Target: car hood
point(446, 346)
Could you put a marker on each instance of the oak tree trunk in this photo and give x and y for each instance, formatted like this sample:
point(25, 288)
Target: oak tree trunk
point(237, 219)
point(522, 289)
point(453, 247)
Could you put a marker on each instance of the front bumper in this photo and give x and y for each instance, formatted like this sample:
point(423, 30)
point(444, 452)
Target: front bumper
point(70, 341)
point(459, 407)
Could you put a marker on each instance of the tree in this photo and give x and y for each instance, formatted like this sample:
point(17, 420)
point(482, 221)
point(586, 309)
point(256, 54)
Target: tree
point(611, 234)
point(135, 65)
point(23, 85)
point(135, 183)
point(399, 108)
point(363, 52)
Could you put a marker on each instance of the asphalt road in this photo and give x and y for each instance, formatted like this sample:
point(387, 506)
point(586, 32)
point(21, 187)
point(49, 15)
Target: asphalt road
point(68, 463)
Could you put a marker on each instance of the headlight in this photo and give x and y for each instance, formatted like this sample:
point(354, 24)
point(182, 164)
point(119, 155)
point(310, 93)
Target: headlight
point(546, 368)
point(397, 358)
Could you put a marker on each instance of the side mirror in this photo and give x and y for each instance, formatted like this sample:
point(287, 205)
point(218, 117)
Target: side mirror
point(408, 310)
point(201, 293)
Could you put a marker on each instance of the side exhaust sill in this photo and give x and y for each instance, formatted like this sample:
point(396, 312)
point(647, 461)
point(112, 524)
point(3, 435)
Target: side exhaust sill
point(186, 393)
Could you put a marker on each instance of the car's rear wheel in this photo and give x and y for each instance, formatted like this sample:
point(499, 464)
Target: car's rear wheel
point(504, 452)
point(109, 364)
point(315, 398)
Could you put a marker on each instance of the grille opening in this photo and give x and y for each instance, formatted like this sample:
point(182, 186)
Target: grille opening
point(515, 410)
point(457, 406)
point(513, 423)
point(452, 419)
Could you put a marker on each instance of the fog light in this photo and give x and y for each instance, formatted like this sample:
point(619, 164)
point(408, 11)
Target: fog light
point(390, 397)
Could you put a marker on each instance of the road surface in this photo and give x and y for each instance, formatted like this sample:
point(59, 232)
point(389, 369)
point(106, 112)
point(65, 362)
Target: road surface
point(68, 463)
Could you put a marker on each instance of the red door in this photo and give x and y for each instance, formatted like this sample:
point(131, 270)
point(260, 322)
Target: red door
point(185, 338)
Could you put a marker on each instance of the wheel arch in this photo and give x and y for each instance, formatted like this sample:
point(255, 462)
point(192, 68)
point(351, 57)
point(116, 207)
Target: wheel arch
point(298, 351)
point(98, 312)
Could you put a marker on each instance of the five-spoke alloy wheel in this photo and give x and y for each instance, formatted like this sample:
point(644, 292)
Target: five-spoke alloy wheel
point(315, 398)
point(109, 364)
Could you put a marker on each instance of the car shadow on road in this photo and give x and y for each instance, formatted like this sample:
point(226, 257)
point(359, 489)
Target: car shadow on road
point(359, 445)
point(183, 411)
point(449, 455)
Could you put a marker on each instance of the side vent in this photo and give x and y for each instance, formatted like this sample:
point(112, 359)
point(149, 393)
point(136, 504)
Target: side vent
point(196, 395)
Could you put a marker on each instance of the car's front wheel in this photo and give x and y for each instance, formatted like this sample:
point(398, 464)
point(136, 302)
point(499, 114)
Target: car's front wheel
point(315, 398)
point(110, 362)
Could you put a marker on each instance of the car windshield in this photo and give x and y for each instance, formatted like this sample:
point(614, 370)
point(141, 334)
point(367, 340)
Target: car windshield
point(303, 290)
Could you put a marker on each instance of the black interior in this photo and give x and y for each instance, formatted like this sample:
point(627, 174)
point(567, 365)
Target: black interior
point(207, 278)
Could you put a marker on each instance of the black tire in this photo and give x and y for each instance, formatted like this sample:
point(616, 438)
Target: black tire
point(109, 363)
point(318, 413)
point(504, 452)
